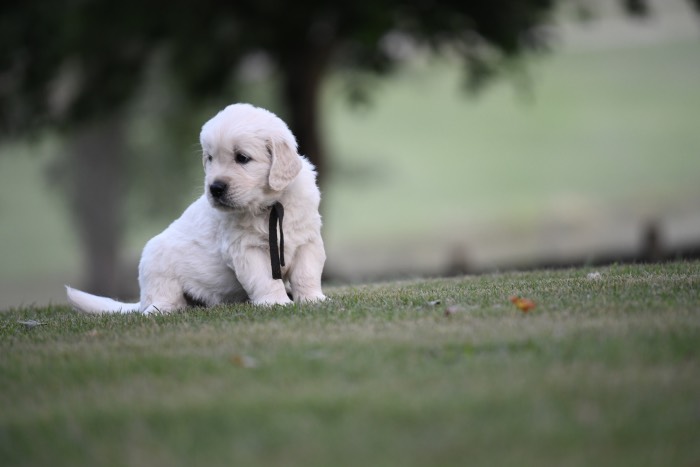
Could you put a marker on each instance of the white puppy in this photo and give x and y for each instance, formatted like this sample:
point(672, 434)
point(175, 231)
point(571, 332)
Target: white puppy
point(218, 251)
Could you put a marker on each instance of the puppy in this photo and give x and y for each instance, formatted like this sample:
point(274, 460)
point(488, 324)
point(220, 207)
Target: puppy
point(219, 250)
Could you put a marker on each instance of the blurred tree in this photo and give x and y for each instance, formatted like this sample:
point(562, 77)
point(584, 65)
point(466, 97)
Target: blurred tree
point(74, 65)
point(304, 40)
point(77, 64)
point(66, 62)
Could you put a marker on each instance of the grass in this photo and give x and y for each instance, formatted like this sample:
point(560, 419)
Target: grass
point(603, 372)
point(601, 132)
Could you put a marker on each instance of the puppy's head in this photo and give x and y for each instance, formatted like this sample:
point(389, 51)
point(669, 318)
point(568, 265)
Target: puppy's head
point(249, 156)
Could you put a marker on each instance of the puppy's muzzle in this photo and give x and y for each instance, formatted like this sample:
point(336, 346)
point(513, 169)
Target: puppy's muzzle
point(218, 189)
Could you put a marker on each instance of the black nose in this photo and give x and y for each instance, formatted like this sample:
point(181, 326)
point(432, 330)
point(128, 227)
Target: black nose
point(217, 189)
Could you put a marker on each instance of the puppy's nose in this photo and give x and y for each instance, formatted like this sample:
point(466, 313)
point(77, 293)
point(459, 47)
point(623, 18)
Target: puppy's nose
point(218, 188)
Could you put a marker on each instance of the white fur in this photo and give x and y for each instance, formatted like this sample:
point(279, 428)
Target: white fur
point(217, 251)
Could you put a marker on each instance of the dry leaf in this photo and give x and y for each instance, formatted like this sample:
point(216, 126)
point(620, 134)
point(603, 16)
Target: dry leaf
point(243, 361)
point(453, 309)
point(523, 304)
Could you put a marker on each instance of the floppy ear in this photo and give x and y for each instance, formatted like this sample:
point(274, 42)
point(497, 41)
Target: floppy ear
point(285, 165)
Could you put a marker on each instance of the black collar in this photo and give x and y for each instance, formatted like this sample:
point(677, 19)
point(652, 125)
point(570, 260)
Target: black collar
point(276, 254)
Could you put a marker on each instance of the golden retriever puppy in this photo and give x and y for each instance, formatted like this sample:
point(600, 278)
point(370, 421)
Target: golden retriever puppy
point(225, 248)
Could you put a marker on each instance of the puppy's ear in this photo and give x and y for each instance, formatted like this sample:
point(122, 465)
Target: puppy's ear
point(285, 165)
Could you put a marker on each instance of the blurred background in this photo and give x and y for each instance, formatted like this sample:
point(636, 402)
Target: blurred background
point(451, 137)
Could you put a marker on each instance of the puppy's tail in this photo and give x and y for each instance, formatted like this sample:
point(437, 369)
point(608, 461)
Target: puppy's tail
point(88, 303)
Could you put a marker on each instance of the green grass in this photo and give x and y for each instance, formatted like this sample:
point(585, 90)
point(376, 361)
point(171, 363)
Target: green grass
point(603, 372)
point(35, 234)
point(599, 132)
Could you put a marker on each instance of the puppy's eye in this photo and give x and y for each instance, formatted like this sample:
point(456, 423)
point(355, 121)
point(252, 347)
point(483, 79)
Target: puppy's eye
point(242, 158)
point(209, 158)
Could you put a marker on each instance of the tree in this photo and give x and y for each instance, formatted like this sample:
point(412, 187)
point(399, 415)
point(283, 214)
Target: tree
point(304, 40)
point(77, 64)
point(70, 65)
point(68, 62)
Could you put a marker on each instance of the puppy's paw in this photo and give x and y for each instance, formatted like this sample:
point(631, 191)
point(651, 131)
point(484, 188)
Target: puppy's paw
point(272, 300)
point(311, 298)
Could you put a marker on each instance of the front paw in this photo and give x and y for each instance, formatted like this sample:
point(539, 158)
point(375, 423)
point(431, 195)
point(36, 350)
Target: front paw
point(271, 300)
point(312, 298)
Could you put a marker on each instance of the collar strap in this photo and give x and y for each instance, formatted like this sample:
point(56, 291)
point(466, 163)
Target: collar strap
point(276, 253)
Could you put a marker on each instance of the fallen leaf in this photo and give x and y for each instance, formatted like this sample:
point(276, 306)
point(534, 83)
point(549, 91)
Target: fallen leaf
point(522, 304)
point(243, 361)
point(434, 302)
point(453, 309)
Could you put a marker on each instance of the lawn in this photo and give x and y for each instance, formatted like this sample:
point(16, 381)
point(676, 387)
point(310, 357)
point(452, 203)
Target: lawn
point(597, 133)
point(604, 371)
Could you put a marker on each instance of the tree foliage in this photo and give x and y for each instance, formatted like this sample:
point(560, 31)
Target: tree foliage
point(68, 61)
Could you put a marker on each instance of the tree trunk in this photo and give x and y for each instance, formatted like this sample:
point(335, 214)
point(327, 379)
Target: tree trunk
point(95, 183)
point(303, 76)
